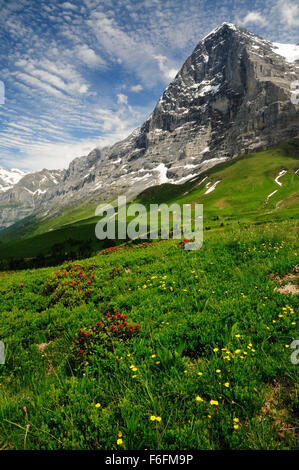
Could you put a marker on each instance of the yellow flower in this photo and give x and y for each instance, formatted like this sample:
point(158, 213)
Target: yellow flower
point(153, 418)
point(153, 356)
point(236, 420)
point(215, 349)
point(199, 399)
point(226, 384)
point(119, 442)
point(158, 418)
point(120, 434)
point(199, 373)
point(134, 376)
point(157, 362)
point(218, 371)
point(287, 346)
point(237, 351)
point(134, 369)
point(214, 402)
point(236, 426)
point(237, 336)
point(98, 405)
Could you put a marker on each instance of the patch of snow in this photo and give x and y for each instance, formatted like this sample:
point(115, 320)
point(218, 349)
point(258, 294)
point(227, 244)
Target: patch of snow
point(283, 172)
point(162, 169)
point(289, 51)
point(10, 177)
point(185, 178)
point(209, 89)
point(212, 187)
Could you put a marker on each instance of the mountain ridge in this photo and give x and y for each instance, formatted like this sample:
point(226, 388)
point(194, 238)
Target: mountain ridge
point(231, 96)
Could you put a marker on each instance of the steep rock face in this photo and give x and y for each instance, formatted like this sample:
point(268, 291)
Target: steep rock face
point(232, 96)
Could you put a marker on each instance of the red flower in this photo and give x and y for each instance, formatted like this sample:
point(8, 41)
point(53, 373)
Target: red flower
point(81, 351)
point(21, 285)
point(137, 326)
point(86, 334)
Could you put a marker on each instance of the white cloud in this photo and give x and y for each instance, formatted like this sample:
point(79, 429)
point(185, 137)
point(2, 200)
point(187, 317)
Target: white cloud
point(89, 57)
point(289, 12)
point(168, 72)
point(68, 6)
point(253, 17)
point(122, 99)
point(136, 88)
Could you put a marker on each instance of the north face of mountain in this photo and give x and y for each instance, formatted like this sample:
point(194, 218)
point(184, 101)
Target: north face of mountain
point(232, 96)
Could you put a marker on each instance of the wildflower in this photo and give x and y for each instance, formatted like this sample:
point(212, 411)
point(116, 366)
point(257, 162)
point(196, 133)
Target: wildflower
point(199, 373)
point(153, 418)
point(158, 418)
point(214, 402)
point(98, 405)
point(218, 371)
point(236, 426)
point(287, 346)
point(153, 356)
point(226, 384)
point(237, 351)
point(119, 442)
point(120, 434)
point(199, 399)
point(215, 349)
point(21, 285)
point(236, 420)
point(134, 376)
point(237, 336)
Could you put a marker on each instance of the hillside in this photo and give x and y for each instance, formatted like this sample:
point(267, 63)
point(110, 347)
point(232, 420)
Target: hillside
point(205, 365)
point(241, 196)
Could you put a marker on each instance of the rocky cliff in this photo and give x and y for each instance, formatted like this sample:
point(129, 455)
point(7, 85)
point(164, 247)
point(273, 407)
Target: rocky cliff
point(232, 96)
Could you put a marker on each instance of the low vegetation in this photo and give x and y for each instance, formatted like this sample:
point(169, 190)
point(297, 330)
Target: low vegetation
point(151, 346)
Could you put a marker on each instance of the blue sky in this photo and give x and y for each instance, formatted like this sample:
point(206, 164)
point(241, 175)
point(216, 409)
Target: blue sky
point(83, 73)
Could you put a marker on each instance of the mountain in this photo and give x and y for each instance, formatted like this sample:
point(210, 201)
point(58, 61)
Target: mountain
point(21, 192)
point(232, 96)
point(251, 189)
point(8, 178)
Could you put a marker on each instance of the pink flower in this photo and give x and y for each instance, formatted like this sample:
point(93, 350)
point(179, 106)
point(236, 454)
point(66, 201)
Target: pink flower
point(21, 285)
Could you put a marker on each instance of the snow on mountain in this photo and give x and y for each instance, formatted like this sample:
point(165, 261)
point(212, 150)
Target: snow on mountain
point(289, 51)
point(8, 178)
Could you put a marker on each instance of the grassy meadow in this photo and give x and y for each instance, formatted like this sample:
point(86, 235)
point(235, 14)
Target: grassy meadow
point(150, 346)
point(194, 354)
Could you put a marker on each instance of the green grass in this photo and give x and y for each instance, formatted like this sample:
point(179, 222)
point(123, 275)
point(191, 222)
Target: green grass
point(239, 198)
point(211, 357)
point(199, 313)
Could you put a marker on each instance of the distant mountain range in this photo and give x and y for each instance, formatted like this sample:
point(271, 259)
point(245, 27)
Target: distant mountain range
point(232, 96)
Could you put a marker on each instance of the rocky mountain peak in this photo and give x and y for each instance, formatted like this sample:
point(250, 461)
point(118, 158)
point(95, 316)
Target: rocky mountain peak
point(231, 96)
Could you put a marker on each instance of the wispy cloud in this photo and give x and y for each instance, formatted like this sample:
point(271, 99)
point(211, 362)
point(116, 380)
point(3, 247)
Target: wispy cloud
point(84, 73)
point(253, 17)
